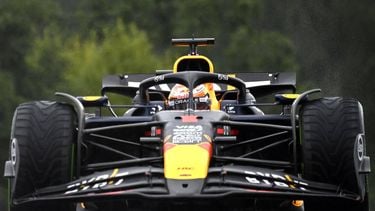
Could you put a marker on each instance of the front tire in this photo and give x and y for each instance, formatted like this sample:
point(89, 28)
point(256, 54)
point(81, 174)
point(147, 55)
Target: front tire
point(330, 130)
point(42, 138)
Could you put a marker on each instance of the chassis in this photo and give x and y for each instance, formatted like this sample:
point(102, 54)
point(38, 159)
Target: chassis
point(311, 152)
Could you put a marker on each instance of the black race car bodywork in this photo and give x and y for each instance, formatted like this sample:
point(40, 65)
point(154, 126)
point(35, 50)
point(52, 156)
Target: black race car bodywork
point(238, 153)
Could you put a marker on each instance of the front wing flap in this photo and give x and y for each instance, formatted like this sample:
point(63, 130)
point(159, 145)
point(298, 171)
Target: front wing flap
point(221, 182)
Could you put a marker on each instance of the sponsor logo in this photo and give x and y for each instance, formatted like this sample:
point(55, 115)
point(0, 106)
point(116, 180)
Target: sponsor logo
point(360, 146)
point(187, 134)
point(159, 78)
point(231, 110)
point(272, 180)
point(96, 182)
point(222, 77)
point(13, 151)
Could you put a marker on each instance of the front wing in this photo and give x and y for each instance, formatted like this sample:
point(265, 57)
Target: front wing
point(221, 182)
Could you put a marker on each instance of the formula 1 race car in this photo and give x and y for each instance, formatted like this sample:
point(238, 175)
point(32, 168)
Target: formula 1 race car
point(191, 139)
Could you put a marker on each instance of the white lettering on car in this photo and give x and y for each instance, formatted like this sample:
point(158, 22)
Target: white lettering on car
point(97, 182)
point(272, 179)
point(187, 134)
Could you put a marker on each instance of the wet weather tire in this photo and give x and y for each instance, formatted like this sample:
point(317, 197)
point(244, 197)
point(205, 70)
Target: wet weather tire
point(330, 133)
point(41, 151)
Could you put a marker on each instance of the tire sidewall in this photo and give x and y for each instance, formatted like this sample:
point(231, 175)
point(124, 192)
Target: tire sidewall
point(17, 190)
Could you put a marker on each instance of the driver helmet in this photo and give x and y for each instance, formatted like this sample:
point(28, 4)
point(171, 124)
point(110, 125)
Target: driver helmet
point(178, 98)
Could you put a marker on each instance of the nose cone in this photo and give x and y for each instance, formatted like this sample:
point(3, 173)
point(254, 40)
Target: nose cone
point(185, 187)
point(186, 161)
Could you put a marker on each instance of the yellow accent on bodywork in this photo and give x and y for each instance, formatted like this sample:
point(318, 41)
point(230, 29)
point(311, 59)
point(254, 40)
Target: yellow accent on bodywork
point(114, 173)
point(186, 162)
point(211, 66)
point(214, 102)
point(91, 98)
point(297, 203)
point(211, 92)
point(290, 96)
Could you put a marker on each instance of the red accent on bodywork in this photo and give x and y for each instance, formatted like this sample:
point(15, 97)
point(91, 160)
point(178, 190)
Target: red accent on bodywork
point(220, 131)
point(115, 192)
point(207, 146)
point(168, 146)
point(234, 132)
point(189, 118)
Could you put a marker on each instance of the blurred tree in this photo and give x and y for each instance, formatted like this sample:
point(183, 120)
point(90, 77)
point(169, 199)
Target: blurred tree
point(9, 99)
point(224, 20)
point(20, 23)
point(45, 63)
point(239, 37)
point(122, 49)
point(267, 51)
